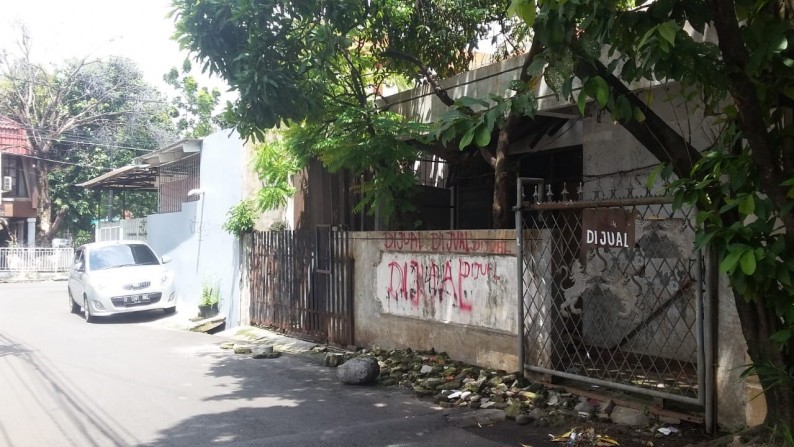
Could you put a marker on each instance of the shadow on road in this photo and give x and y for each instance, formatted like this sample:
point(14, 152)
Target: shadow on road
point(293, 401)
point(144, 316)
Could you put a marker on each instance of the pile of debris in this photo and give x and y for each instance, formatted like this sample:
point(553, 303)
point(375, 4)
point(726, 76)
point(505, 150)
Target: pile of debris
point(451, 383)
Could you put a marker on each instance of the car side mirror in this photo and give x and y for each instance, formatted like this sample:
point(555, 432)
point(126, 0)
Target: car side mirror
point(166, 259)
point(79, 267)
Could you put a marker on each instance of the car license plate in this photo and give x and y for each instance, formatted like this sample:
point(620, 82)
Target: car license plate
point(136, 299)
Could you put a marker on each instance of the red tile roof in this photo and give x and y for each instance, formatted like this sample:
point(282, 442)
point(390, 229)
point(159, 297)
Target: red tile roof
point(12, 137)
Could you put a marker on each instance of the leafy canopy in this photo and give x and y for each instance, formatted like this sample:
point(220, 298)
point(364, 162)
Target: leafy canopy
point(322, 67)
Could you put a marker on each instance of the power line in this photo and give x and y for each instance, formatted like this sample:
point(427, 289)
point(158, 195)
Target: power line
point(83, 165)
point(81, 140)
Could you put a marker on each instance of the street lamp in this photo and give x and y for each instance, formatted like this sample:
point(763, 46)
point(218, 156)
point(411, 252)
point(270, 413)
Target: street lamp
point(198, 192)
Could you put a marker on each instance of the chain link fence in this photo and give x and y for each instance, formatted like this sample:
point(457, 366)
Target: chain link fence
point(612, 289)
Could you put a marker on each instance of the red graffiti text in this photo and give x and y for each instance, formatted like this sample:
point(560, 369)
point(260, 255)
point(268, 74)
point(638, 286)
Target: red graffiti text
point(421, 282)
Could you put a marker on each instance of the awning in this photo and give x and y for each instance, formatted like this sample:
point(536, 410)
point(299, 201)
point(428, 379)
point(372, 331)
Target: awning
point(141, 175)
point(137, 177)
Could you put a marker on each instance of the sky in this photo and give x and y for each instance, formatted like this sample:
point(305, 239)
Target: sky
point(136, 29)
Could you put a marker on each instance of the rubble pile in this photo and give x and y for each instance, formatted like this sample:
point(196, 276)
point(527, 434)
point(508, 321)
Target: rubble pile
point(451, 383)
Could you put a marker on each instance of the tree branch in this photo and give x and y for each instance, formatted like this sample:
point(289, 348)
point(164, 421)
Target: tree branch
point(751, 119)
point(654, 132)
point(431, 79)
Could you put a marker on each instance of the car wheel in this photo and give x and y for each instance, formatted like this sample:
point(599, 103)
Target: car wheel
point(169, 310)
point(87, 311)
point(73, 307)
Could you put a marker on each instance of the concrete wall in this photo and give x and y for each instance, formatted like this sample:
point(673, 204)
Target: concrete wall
point(453, 291)
point(201, 250)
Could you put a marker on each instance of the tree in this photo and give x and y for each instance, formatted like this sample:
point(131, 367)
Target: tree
point(68, 111)
point(320, 67)
point(193, 108)
point(743, 183)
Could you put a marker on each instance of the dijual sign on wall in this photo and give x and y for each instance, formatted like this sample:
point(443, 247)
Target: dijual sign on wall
point(449, 277)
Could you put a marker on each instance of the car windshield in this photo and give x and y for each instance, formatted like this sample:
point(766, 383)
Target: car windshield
point(121, 255)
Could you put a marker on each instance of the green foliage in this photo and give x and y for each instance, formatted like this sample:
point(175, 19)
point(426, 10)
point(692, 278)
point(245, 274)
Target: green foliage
point(754, 249)
point(374, 148)
point(275, 163)
point(319, 68)
point(286, 58)
point(193, 109)
point(241, 218)
point(210, 294)
point(742, 184)
point(474, 120)
point(84, 118)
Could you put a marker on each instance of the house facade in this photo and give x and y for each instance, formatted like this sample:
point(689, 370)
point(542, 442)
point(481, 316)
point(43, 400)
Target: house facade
point(19, 189)
point(638, 310)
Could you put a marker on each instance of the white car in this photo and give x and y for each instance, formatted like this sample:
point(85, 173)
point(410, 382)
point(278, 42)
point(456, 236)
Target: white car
point(108, 278)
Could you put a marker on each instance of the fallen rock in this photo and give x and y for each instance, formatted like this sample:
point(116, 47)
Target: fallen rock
point(513, 410)
point(523, 419)
point(334, 359)
point(242, 349)
point(227, 345)
point(358, 371)
point(628, 416)
point(264, 352)
point(585, 407)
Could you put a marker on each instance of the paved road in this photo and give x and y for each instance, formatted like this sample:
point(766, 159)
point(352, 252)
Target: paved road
point(132, 381)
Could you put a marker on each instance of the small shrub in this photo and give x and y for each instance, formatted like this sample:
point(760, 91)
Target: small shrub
point(210, 295)
point(279, 226)
point(241, 218)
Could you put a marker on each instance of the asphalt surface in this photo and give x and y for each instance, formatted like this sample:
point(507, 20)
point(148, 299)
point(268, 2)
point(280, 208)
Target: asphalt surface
point(133, 381)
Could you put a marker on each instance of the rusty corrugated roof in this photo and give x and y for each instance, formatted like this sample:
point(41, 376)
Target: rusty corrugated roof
point(12, 137)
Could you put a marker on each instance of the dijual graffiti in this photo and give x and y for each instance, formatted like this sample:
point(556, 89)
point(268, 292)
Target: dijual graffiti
point(417, 280)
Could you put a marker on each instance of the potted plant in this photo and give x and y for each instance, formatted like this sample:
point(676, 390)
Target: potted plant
point(208, 305)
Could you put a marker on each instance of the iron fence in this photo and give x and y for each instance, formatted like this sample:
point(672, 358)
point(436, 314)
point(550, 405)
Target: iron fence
point(35, 259)
point(301, 282)
point(127, 229)
point(611, 291)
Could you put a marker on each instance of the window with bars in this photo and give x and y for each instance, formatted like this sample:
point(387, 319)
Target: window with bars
point(175, 181)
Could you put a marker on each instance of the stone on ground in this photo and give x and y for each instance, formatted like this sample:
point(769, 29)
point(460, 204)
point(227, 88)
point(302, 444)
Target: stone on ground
point(628, 416)
point(334, 359)
point(358, 371)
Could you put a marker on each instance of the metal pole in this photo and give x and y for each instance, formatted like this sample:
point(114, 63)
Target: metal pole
point(520, 277)
point(520, 261)
point(710, 336)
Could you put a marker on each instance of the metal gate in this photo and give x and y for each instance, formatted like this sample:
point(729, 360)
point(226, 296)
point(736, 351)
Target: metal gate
point(612, 293)
point(301, 282)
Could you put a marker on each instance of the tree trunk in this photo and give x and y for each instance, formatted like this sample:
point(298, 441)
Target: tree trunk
point(759, 322)
point(48, 224)
point(758, 317)
point(500, 209)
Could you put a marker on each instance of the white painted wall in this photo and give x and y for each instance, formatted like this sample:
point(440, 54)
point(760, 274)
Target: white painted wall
point(201, 250)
